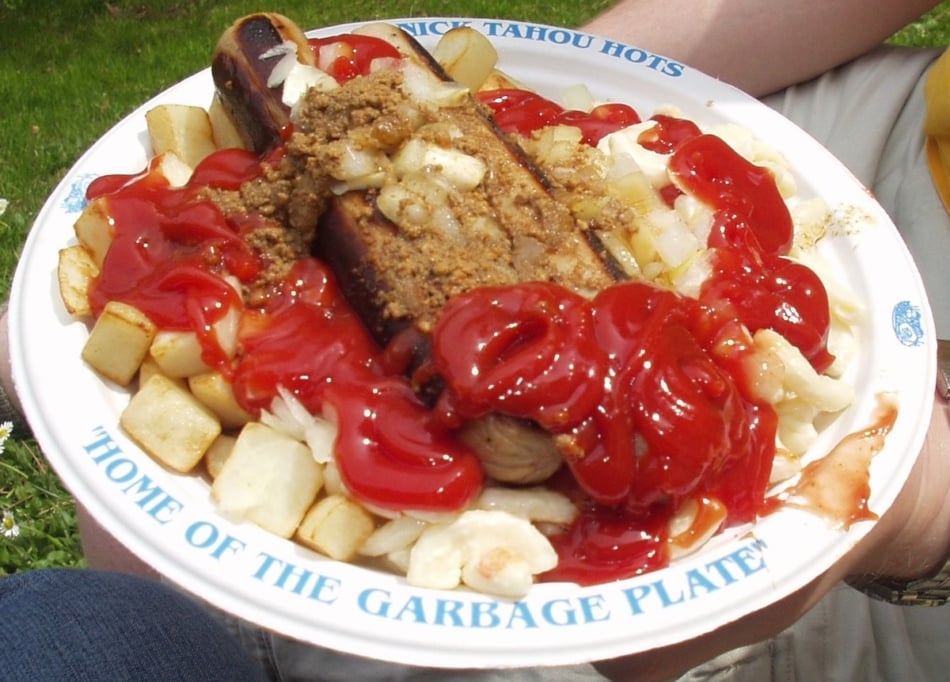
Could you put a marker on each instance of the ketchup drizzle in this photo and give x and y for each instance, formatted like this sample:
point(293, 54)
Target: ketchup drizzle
point(642, 389)
point(348, 56)
point(169, 250)
point(643, 408)
point(523, 112)
point(752, 231)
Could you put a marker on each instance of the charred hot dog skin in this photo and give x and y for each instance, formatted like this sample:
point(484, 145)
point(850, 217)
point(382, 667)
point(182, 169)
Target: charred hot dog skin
point(241, 68)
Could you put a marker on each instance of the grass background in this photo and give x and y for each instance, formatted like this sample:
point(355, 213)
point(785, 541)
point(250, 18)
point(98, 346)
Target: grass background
point(70, 70)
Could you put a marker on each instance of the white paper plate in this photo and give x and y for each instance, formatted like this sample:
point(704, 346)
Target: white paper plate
point(169, 521)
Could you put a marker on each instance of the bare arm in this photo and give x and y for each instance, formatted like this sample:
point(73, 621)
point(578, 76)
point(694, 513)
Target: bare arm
point(913, 538)
point(758, 45)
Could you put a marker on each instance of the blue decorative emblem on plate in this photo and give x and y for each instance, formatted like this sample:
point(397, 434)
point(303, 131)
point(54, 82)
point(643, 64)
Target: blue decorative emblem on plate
point(75, 201)
point(906, 320)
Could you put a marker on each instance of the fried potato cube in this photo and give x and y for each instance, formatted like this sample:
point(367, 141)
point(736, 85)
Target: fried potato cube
point(74, 271)
point(499, 80)
point(217, 393)
point(176, 172)
point(94, 229)
point(336, 526)
point(149, 367)
point(224, 131)
point(269, 479)
point(118, 342)
point(215, 457)
point(467, 56)
point(178, 354)
point(169, 423)
point(180, 128)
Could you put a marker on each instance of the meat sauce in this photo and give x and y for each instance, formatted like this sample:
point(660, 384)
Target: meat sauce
point(642, 388)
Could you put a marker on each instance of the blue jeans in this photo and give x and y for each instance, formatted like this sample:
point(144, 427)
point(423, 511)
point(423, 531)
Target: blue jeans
point(76, 625)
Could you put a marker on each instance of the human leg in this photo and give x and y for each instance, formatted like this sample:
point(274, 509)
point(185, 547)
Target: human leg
point(73, 625)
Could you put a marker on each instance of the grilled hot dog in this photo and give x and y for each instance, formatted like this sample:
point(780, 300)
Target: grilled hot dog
point(416, 194)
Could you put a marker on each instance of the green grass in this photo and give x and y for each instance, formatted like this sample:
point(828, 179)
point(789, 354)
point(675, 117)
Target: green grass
point(931, 30)
point(70, 70)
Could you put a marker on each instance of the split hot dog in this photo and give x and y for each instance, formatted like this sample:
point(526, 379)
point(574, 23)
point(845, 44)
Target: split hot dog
point(459, 207)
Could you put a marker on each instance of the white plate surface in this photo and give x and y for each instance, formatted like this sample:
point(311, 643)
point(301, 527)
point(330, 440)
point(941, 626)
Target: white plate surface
point(169, 521)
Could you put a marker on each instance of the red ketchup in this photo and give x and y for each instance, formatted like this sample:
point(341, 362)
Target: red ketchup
point(752, 232)
point(643, 390)
point(641, 401)
point(347, 56)
point(170, 251)
point(171, 247)
point(523, 112)
point(751, 235)
point(390, 452)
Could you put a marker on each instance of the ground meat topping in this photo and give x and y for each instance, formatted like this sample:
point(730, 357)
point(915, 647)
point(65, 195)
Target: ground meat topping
point(439, 239)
